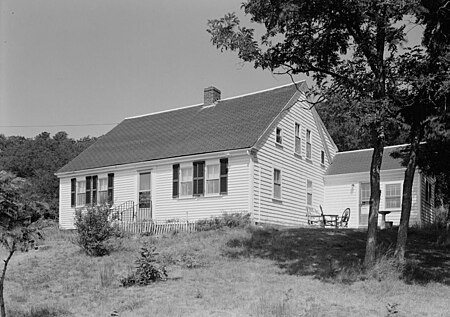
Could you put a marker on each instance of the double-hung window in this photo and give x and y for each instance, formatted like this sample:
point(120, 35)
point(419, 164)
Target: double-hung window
point(309, 193)
point(278, 136)
point(393, 196)
point(276, 183)
point(81, 193)
point(199, 178)
point(308, 144)
point(298, 140)
point(186, 181)
point(213, 178)
point(102, 191)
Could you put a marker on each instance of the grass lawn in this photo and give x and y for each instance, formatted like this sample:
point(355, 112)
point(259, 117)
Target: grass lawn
point(233, 272)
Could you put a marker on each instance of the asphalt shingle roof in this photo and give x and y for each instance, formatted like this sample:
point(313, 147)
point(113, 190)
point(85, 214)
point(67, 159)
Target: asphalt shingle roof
point(359, 161)
point(233, 123)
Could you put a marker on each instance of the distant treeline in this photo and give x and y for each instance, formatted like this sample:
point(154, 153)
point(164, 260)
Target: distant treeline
point(37, 159)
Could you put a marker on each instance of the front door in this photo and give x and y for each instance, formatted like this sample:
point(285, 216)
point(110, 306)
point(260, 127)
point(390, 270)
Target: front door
point(364, 199)
point(144, 210)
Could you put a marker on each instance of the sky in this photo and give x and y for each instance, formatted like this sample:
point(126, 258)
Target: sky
point(82, 66)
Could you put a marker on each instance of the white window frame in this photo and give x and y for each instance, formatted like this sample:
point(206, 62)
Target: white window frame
point(188, 166)
point(399, 196)
point(297, 137)
point(309, 192)
point(279, 183)
point(308, 146)
point(279, 136)
point(208, 165)
point(81, 190)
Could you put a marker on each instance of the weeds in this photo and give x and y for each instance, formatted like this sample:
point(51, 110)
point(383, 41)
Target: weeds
point(107, 275)
point(233, 220)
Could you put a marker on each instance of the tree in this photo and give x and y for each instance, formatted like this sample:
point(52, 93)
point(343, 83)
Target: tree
point(426, 85)
point(17, 222)
point(349, 47)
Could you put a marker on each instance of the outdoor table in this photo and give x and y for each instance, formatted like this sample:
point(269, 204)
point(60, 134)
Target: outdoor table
point(383, 218)
point(333, 219)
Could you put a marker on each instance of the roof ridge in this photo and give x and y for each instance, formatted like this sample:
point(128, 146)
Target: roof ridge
point(229, 98)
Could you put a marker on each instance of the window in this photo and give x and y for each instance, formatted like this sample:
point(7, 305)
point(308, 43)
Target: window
point(144, 190)
point(81, 194)
point(175, 180)
point(298, 140)
point(94, 189)
point(279, 137)
point(199, 178)
point(427, 191)
point(322, 157)
point(276, 183)
point(73, 193)
point(309, 193)
point(186, 181)
point(223, 176)
point(308, 144)
point(102, 190)
point(88, 189)
point(111, 188)
point(212, 179)
point(393, 196)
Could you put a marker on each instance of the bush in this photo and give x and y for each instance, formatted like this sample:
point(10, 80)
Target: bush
point(95, 229)
point(147, 270)
point(233, 220)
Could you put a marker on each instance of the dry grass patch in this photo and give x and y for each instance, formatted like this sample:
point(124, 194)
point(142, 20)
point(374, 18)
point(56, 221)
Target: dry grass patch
point(232, 272)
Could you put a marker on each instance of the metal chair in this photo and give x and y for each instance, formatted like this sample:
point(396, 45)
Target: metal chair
point(343, 221)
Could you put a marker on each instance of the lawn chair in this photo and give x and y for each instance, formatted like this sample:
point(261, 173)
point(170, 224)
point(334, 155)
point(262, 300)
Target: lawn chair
point(314, 216)
point(343, 221)
point(329, 220)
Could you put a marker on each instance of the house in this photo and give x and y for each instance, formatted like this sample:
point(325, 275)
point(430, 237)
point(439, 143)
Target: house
point(346, 184)
point(264, 153)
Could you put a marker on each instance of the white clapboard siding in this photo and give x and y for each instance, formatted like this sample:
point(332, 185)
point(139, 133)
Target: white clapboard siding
point(66, 212)
point(236, 200)
point(295, 170)
point(125, 186)
point(342, 191)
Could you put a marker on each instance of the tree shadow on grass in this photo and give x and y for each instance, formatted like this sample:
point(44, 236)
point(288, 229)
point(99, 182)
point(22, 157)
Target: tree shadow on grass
point(323, 253)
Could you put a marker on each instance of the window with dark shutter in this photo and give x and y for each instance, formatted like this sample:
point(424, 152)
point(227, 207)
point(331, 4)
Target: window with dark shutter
point(94, 189)
point(175, 180)
point(73, 192)
point(110, 188)
point(223, 176)
point(199, 178)
point(88, 189)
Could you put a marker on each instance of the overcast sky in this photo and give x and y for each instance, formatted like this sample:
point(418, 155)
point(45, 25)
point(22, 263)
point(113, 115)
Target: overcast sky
point(91, 62)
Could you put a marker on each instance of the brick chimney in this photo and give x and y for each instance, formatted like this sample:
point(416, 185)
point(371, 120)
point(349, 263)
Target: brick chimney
point(211, 95)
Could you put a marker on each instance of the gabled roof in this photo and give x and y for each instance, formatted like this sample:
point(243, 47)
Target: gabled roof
point(229, 124)
point(359, 161)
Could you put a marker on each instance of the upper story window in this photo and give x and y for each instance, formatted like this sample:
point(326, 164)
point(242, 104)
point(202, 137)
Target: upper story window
point(276, 183)
point(393, 196)
point(308, 144)
point(298, 140)
point(309, 193)
point(279, 136)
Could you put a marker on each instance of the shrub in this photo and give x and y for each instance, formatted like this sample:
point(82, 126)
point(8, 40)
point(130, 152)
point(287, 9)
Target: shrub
point(147, 270)
point(233, 220)
point(95, 230)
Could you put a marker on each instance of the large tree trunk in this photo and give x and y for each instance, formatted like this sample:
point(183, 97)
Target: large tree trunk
point(375, 192)
point(2, 281)
point(402, 235)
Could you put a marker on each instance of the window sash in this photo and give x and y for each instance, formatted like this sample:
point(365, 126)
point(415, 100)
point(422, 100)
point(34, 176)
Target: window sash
point(393, 196)
point(279, 137)
point(308, 144)
point(199, 178)
point(213, 179)
point(309, 193)
point(186, 178)
point(298, 141)
point(277, 183)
